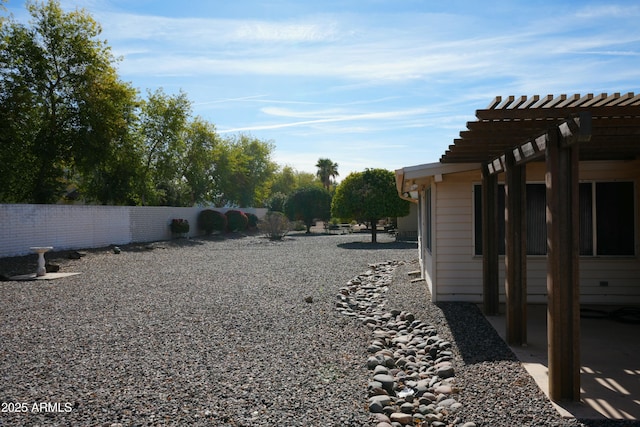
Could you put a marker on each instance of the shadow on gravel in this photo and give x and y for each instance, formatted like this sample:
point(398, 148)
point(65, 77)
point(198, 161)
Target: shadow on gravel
point(305, 235)
point(476, 339)
point(379, 245)
point(609, 423)
point(145, 247)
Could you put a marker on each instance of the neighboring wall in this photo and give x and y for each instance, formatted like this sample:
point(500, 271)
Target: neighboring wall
point(78, 226)
point(408, 225)
point(456, 272)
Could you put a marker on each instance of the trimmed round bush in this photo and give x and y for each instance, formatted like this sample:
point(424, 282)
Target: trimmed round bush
point(236, 220)
point(253, 220)
point(210, 221)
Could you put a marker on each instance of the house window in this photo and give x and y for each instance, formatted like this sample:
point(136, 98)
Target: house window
point(428, 225)
point(614, 218)
point(536, 219)
point(611, 204)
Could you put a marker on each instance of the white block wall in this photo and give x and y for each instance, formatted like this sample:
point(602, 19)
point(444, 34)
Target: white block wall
point(78, 226)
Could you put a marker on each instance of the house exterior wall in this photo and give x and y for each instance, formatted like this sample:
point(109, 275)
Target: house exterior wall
point(454, 272)
point(408, 224)
point(457, 274)
point(79, 226)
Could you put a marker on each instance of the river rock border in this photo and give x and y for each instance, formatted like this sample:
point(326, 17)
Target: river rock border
point(413, 377)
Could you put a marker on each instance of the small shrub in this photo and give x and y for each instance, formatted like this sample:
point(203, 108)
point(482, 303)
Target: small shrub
point(210, 221)
point(236, 220)
point(275, 225)
point(179, 226)
point(253, 220)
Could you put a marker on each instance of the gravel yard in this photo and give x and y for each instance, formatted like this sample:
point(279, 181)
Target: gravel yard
point(219, 332)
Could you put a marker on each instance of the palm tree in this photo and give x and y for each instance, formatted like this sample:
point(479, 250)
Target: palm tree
point(326, 170)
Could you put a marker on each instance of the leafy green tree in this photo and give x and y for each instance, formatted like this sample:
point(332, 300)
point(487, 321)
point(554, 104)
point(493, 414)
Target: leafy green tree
point(327, 170)
point(306, 179)
point(246, 171)
point(308, 204)
point(199, 162)
point(287, 180)
point(110, 175)
point(163, 124)
point(63, 110)
point(284, 181)
point(370, 195)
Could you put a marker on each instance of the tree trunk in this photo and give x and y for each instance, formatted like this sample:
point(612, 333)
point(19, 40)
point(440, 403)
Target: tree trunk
point(374, 231)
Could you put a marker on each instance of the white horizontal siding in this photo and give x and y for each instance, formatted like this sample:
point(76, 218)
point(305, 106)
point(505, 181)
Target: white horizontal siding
point(458, 274)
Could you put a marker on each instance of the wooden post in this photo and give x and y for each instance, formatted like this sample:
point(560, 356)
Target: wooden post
point(563, 310)
point(490, 260)
point(515, 251)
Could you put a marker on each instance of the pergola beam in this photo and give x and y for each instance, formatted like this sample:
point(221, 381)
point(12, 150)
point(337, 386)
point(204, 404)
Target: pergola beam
point(572, 130)
point(620, 110)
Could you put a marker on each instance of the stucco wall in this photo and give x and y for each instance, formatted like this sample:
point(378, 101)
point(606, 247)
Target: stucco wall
point(77, 226)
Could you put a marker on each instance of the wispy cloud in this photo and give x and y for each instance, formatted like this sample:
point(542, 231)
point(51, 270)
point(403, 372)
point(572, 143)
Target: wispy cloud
point(227, 100)
point(608, 11)
point(322, 117)
point(190, 32)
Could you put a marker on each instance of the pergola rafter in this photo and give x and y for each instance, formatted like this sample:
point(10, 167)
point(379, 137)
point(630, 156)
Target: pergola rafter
point(509, 121)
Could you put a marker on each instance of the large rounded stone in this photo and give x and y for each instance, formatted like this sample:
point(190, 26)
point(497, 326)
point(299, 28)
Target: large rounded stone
point(407, 408)
point(446, 402)
point(379, 370)
point(372, 362)
point(378, 403)
point(386, 380)
point(445, 371)
point(402, 418)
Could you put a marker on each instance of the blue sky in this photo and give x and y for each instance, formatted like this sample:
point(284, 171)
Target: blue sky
point(366, 83)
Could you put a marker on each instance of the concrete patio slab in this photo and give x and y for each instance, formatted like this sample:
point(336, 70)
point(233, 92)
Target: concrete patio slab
point(610, 364)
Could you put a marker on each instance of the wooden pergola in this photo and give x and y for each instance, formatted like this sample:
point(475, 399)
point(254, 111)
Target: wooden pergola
point(561, 131)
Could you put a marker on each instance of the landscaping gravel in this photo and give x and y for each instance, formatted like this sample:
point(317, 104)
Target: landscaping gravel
point(239, 331)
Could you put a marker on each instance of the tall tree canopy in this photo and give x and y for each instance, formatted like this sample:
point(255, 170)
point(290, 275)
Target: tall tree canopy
point(198, 165)
point(327, 170)
point(368, 196)
point(63, 110)
point(67, 123)
point(163, 123)
point(246, 171)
